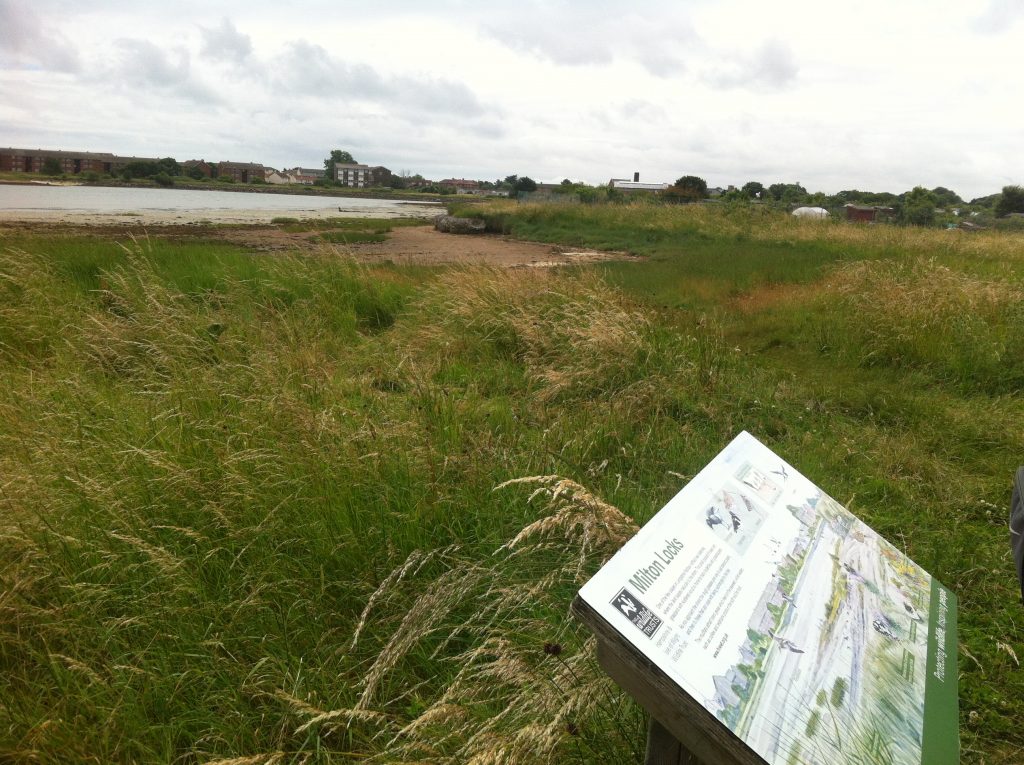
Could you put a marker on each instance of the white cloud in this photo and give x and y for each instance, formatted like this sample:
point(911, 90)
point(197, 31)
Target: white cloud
point(26, 41)
point(597, 34)
point(772, 65)
point(141, 66)
point(999, 17)
point(884, 98)
point(313, 71)
point(225, 43)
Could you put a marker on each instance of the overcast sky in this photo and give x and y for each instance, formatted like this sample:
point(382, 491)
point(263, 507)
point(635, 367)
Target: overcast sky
point(872, 95)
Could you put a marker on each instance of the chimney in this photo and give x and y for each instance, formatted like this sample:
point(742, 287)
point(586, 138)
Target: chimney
point(636, 177)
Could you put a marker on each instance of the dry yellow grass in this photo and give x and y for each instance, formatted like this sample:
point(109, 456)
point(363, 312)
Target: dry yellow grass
point(502, 705)
point(573, 335)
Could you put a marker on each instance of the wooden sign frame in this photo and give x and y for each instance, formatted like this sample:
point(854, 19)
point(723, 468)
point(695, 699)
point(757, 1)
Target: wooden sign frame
point(753, 606)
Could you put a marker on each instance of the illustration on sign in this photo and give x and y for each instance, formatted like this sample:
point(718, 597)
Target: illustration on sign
point(799, 627)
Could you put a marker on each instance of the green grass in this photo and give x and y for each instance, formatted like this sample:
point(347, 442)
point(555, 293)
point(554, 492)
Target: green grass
point(350, 237)
point(212, 462)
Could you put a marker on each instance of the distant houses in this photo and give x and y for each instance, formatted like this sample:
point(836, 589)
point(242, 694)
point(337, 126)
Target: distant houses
point(305, 176)
point(239, 172)
point(69, 162)
point(460, 185)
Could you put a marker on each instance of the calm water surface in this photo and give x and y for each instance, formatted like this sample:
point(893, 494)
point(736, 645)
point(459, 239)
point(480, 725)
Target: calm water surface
point(112, 201)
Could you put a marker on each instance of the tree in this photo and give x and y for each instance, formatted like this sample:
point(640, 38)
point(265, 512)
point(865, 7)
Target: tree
point(168, 166)
point(945, 197)
point(918, 208)
point(51, 166)
point(338, 157)
point(691, 183)
point(526, 183)
point(1010, 201)
point(789, 193)
point(753, 189)
point(689, 188)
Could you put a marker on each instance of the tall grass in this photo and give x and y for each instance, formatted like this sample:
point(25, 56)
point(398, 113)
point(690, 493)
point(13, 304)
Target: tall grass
point(250, 507)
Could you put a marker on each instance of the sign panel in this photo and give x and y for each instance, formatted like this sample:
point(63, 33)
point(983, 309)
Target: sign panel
point(801, 629)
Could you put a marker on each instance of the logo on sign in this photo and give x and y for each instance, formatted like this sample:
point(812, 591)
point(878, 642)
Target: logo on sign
point(642, 617)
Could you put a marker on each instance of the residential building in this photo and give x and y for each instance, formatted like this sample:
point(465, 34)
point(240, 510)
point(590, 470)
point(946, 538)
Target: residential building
point(361, 176)
point(305, 176)
point(240, 172)
point(204, 167)
point(460, 185)
point(352, 175)
point(70, 162)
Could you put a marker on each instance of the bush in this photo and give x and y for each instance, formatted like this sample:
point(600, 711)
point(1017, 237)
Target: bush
point(163, 179)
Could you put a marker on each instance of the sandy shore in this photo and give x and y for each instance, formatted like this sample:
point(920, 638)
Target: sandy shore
point(206, 217)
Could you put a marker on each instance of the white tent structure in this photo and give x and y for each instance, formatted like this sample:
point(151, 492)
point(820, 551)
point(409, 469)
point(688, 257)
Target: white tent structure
point(810, 212)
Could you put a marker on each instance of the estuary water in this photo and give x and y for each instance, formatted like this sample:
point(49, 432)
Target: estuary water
point(98, 204)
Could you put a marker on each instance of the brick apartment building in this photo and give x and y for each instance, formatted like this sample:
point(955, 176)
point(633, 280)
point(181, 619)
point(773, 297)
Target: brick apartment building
point(240, 172)
point(70, 162)
point(361, 176)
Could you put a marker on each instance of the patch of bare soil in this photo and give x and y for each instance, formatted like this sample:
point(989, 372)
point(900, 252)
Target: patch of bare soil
point(405, 245)
point(423, 245)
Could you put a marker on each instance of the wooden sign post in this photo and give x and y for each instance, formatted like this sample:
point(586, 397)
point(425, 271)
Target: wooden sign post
point(758, 621)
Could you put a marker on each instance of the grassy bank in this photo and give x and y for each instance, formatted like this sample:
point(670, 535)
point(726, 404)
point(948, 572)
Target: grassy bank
point(259, 507)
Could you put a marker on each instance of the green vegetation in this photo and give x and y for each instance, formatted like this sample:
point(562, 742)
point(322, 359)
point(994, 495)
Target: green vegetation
point(1010, 201)
point(259, 506)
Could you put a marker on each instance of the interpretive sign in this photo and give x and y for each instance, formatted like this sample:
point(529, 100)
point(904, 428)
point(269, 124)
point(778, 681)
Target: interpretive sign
point(795, 630)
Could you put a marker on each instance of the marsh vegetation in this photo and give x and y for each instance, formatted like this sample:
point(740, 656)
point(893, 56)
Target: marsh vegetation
point(275, 509)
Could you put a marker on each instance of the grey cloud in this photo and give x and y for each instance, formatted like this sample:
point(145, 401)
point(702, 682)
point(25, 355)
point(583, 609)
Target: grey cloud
point(311, 70)
point(597, 34)
point(998, 17)
point(142, 64)
point(225, 43)
point(772, 66)
point(26, 41)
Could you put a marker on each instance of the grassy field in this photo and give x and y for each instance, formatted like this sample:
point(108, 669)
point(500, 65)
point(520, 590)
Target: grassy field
point(264, 509)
